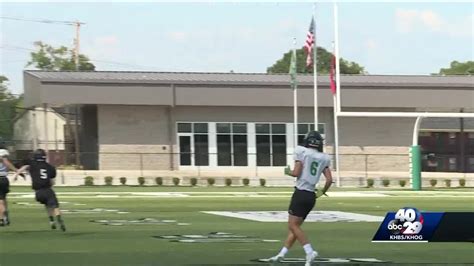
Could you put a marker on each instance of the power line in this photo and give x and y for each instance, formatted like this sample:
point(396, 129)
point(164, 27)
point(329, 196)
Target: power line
point(47, 21)
point(12, 47)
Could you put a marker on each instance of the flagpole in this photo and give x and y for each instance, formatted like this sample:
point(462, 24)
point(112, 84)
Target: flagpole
point(336, 54)
point(336, 135)
point(295, 103)
point(315, 71)
point(338, 94)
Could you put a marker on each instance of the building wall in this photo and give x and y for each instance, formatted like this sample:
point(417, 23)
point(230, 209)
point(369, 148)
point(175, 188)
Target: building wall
point(139, 137)
point(29, 130)
point(133, 137)
point(375, 144)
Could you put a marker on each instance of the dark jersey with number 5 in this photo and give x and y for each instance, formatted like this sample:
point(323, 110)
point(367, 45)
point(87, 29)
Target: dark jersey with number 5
point(41, 174)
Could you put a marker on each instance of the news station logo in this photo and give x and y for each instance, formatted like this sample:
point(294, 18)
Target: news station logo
point(407, 225)
point(410, 225)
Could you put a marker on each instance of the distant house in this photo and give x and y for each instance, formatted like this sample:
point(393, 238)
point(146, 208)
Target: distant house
point(36, 128)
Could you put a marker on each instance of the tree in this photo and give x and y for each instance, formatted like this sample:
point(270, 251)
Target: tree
point(48, 57)
point(323, 63)
point(8, 109)
point(5, 95)
point(458, 68)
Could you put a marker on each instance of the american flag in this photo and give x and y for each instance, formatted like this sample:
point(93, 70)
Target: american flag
point(309, 44)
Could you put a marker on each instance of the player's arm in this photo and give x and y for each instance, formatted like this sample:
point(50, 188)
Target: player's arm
point(327, 173)
point(52, 175)
point(8, 164)
point(296, 171)
point(20, 172)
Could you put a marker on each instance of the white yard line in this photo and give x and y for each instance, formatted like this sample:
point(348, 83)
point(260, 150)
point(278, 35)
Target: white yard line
point(240, 194)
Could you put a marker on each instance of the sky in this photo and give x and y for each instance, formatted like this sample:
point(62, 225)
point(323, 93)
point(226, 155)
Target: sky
point(384, 37)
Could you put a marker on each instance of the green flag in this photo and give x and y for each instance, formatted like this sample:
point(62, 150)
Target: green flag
point(293, 69)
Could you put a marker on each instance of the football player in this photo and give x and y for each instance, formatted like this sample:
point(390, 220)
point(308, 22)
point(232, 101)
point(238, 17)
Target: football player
point(42, 179)
point(310, 162)
point(5, 164)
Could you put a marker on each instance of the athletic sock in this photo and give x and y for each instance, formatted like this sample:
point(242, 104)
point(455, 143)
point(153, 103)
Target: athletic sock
point(51, 219)
point(7, 218)
point(283, 252)
point(308, 248)
point(58, 217)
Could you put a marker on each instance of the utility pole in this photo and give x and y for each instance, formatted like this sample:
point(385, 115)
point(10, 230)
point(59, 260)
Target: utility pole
point(76, 124)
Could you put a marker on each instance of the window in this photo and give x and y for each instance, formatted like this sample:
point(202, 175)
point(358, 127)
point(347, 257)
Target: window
point(231, 144)
point(185, 150)
point(200, 127)
point(201, 149)
point(470, 165)
point(184, 128)
point(452, 138)
point(305, 128)
point(452, 164)
point(469, 142)
point(193, 143)
point(271, 144)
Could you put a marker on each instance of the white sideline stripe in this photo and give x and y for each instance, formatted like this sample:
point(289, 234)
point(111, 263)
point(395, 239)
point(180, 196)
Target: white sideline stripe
point(270, 194)
point(378, 192)
point(314, 216)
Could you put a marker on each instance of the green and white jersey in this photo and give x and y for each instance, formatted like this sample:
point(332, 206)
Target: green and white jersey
point(3, 168)
point(314, 163)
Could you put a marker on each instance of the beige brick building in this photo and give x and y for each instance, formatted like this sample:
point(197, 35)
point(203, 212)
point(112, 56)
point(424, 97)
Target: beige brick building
point(242, 123)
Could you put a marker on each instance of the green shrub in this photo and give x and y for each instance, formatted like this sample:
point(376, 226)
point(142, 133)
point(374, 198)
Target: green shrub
point(141, 180)
point(176, 181)
point(246, 181)
point(433, 182)
point(263, 182)
point(193, 181)
point(211, 181)
point(89, 181)
point(108, 180)
point(385, 182)
point(228, 182)
point(370, 182)
point(402, 183)
point(123, 180)
point(462, 182)
point(447, 182)
point(159, 181)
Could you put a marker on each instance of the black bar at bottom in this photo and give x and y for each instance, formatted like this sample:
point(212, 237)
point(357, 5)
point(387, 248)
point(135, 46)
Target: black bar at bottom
point(455, 227)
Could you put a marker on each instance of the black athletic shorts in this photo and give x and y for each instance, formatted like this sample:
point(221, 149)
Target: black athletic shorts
point(47, 197)
point(302, 202)
point(4, 187)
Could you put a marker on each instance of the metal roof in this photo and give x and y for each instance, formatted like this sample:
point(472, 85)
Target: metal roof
point(191, 78)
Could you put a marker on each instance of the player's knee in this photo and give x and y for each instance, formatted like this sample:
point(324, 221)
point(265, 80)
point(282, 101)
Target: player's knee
point(292, 225)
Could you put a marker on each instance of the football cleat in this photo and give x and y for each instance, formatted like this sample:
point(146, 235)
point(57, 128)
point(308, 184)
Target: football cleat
point(63, 226)
point(310, 258)
point(277, 258)
point(53, 225)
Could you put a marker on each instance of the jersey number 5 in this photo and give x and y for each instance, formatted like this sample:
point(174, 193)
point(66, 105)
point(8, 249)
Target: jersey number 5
point(314, 168)
point(43, 174)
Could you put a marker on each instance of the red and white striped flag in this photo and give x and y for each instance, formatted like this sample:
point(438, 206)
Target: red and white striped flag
point(309, 44)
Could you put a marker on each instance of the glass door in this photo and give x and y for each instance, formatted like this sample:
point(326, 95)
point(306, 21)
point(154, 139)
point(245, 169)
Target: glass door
point(186, 149)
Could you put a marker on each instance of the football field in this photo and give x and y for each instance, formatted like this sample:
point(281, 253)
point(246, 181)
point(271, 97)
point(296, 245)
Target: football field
point(217, 226)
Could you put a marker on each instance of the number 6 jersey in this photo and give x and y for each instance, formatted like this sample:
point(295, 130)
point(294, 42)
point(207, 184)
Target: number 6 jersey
point(314, 163)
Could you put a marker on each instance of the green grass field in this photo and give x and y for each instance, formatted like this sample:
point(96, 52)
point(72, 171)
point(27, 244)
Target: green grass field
point(29, 241)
